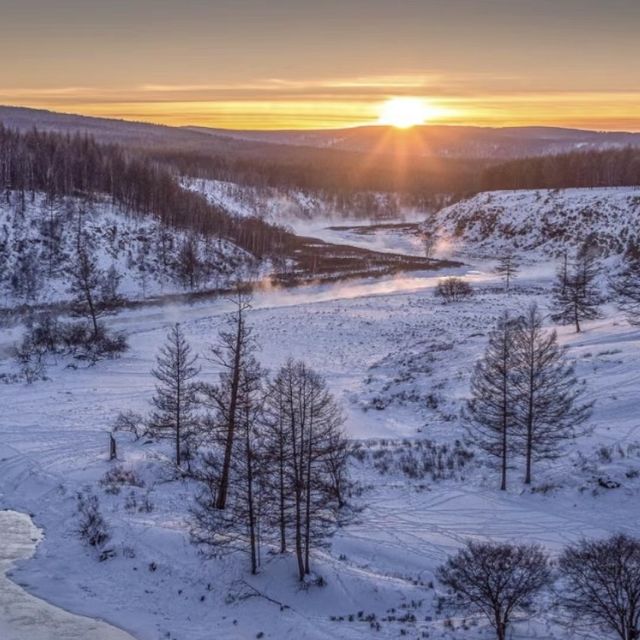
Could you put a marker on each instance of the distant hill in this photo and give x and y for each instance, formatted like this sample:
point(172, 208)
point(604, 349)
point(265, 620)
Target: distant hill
point(425, 141)
point(444, 141)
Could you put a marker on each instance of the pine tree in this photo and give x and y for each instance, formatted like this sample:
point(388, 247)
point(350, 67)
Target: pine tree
point(576, 297)
point(548, 406)
point(490, 412)
point(175, 398)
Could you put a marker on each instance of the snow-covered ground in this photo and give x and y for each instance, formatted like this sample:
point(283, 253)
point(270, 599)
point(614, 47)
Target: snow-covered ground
point(399, 362)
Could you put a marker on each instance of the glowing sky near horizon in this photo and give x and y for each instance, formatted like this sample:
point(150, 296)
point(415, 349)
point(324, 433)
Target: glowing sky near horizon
point(308, 64)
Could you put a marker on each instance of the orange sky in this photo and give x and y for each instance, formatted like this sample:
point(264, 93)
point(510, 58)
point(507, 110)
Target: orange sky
point(302, 64)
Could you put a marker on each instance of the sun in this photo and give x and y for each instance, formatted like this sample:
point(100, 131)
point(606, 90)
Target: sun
point(403, 112)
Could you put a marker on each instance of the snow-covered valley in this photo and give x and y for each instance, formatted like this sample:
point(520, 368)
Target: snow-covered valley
point(399, 362)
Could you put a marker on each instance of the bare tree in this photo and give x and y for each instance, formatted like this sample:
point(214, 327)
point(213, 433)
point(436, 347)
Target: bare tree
point(239, 524)
point(453, 289)
point(94, 291)
point(602, 584)
point(548, 406)
point(85, 283)
point(490, 412)
point(576, 296)
point(507, 268)
point(278, 452)
point(307, 426)
point(231, 354)
point(496, 579)
point(175, 398)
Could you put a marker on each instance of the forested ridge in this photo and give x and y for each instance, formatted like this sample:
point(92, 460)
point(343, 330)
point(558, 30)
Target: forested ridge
point(64, 165)
point(607, 168)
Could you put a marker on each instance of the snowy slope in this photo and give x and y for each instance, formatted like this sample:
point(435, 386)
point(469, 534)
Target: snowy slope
point(41, 238)
point(543, 221)
point(293, 206)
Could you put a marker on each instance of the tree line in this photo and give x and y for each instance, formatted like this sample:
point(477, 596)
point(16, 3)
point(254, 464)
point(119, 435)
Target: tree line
point(605, 168)
point(427, 182)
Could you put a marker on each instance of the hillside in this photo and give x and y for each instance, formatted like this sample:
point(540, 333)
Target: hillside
point(544, 221)
point(285, 206)
point(39, 239)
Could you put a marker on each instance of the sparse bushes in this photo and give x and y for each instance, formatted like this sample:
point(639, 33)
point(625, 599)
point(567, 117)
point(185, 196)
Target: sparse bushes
point(46, 336)
point(131, 422)
point(453, 290)
point(118, 476)
point(416, 459)
point(92, 527)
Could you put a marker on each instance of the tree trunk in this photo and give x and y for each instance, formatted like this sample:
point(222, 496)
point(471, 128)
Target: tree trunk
point(231, 425)
point(251, 512)
point(283, 531)
point(307, 533)
point(503, 483)
point(529, 452)
point(92, 311)
point(178, 417)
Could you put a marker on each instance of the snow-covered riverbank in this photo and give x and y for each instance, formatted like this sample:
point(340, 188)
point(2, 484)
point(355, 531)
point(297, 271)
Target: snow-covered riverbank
point(25, 617)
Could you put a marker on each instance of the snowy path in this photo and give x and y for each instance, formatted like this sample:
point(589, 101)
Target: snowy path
point(25, 617)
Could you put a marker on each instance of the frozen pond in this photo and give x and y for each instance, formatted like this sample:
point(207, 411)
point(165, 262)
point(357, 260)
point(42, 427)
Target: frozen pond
point(25, 617)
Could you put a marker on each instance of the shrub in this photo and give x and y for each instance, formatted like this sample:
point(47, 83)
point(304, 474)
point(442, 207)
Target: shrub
point(118, 476)
point(132, 422)
point(92, 526)
point(453, 289)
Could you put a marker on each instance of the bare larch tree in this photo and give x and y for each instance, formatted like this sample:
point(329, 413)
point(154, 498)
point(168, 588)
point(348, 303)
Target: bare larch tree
point(626, 288)
point(576, 296)
point(548, 396)
point(308, 436)
point(490, 412)
point(232, 352)
point(507, 268)
point(239, 524)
